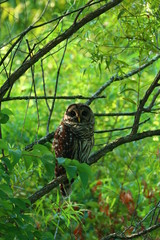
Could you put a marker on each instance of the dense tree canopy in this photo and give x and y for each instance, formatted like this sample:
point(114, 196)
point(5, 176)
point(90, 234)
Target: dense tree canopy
point(102, 53)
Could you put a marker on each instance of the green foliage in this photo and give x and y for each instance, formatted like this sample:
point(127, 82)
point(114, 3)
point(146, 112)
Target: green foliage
point(73, 167)
point(118, 191)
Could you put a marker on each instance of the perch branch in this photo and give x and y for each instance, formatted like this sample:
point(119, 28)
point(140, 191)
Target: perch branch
point(93, 158)
point(118, 142)
point(47, 188)
point(50, 136)
point(42, 140)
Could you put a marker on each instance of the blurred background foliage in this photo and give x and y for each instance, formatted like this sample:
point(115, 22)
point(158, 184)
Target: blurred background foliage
point(124, 185)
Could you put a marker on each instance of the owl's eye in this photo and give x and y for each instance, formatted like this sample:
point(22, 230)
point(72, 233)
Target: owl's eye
point(72, 113)
point(84, 113)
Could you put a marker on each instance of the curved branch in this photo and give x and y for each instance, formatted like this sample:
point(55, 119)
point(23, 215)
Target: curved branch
point(93, 158)
point(118, 142)
point(120, 78)
point(67, 34)
point(135, 235)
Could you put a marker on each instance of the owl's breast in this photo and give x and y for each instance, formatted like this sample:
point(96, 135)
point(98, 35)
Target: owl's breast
point(63, 142)
point(74, 142)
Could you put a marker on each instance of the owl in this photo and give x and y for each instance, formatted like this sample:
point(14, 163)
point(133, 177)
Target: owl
point(74, 138)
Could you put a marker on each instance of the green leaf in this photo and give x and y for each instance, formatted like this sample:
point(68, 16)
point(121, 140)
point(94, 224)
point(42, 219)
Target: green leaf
point(71, 172)
point(47, 236)
point(73, 167)
point(130, 100)
point(41, 148)
point(61, 160)
point(7, 162)
point(121, 13)
point(7, 111)
point(15, 155)
point(20, 203)
point(49, 163)
point(6, 189)
point(6, 205)
point(28, 159)
point(3, 118)
point(3, 144)
point(129, 90)
point(84, 172)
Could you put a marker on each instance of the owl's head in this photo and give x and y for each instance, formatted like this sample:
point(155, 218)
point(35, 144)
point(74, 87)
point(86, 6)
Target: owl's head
point(79, 113)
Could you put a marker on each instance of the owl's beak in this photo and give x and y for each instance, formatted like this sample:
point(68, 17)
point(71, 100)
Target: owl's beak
point(79, 119)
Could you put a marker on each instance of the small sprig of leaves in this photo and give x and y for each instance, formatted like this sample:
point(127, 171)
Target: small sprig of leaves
point(74, 168)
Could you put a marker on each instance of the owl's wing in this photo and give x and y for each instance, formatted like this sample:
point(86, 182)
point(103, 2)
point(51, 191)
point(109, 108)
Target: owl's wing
point(63, 142)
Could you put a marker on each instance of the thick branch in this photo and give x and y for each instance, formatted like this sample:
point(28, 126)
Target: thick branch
point(120, 141)
point(93, 158)
point(67, 34)
point(47, 188)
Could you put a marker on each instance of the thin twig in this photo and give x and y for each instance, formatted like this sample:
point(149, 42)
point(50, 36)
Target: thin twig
point(135, 235)
point(3, 1)
point(34, 88)
point(120, 78)
point(149, 108)
point(47, 97)
point(142, 103)
point(81, 10)
point(44, 86)
point(56, 86)
point(157, 206)
point(120, 129)
point(12, 59)
point(114, 114)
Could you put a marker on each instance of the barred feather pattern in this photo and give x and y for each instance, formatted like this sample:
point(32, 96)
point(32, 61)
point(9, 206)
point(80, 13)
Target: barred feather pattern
point(73, 140)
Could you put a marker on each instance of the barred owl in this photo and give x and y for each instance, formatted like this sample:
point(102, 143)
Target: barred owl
point(74, 138)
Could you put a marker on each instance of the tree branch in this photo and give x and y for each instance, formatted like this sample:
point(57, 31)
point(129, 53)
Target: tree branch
point(56, 86)
point(120, 129)
point(47, 188)
point(135, 235)
point(42, 140)
point(142, 103)
point(93, 158)
point(46, 97)
point(118, 142)
point(67, 34)
point(119, 78)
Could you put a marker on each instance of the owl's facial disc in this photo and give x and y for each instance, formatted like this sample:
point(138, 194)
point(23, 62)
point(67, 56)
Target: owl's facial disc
point(73, 115)
point(78, 113)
